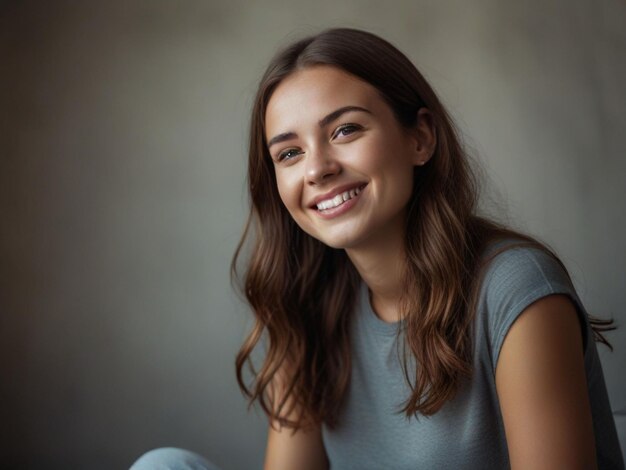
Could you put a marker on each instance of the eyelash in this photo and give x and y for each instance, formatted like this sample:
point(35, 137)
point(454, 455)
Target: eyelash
point(283, 155)
point(353, 127)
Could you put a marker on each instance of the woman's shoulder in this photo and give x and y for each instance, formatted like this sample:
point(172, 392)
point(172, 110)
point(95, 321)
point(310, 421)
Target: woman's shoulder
point(520, 265)
point(517, 274)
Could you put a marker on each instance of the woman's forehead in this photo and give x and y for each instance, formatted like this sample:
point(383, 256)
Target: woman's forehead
point(310, 94)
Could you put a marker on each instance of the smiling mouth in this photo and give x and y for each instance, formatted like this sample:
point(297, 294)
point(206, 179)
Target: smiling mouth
point(339, 199)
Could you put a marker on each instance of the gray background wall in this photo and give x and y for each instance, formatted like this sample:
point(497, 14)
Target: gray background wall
point(122, 148)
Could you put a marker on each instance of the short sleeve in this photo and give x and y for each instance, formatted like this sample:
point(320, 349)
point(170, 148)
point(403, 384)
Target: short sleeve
point(515, 279)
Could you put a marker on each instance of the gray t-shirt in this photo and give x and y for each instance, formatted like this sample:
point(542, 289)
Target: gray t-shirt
point(468, 431)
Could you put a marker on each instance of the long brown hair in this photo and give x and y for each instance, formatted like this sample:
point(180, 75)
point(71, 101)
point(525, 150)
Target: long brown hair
point(303, 292)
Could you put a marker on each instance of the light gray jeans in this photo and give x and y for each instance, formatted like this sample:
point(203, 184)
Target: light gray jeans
point(171, 458)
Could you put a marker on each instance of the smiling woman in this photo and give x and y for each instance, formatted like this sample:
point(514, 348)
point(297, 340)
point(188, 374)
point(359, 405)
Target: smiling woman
point(402, 329)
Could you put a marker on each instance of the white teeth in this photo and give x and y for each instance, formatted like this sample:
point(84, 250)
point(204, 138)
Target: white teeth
point(338, 199)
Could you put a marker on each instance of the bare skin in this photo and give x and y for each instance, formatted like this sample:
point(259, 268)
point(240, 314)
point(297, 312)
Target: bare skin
point(302, 451)
point(542, 388)
point(286, 450)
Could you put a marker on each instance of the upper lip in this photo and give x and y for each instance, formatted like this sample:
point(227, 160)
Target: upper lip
point(332, 193)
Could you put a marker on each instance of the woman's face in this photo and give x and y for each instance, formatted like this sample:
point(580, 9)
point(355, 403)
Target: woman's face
point(343, 163)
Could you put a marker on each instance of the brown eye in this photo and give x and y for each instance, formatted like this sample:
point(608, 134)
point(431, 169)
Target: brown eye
point(288, 154)
point(346, 129)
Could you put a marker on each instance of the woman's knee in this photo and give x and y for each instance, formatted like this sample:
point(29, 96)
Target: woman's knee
point(172, 458)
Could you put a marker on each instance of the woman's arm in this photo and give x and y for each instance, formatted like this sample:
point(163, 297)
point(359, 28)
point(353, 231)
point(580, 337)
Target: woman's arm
point(542, 388)
point(286, 450)
point(302, 451)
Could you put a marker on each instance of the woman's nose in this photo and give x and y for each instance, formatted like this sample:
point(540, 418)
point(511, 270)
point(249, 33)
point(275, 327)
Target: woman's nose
point(320, 166)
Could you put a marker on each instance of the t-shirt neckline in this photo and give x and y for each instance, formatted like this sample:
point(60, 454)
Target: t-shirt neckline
point(372, 320)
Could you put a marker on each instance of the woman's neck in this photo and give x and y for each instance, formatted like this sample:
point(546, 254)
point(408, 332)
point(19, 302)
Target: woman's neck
point(382, 269)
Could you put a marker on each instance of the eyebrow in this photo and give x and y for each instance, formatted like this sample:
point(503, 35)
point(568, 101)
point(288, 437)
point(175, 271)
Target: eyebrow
point(322, 123)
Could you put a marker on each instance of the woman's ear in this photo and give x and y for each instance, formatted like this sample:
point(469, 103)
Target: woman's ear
point(424, 136)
